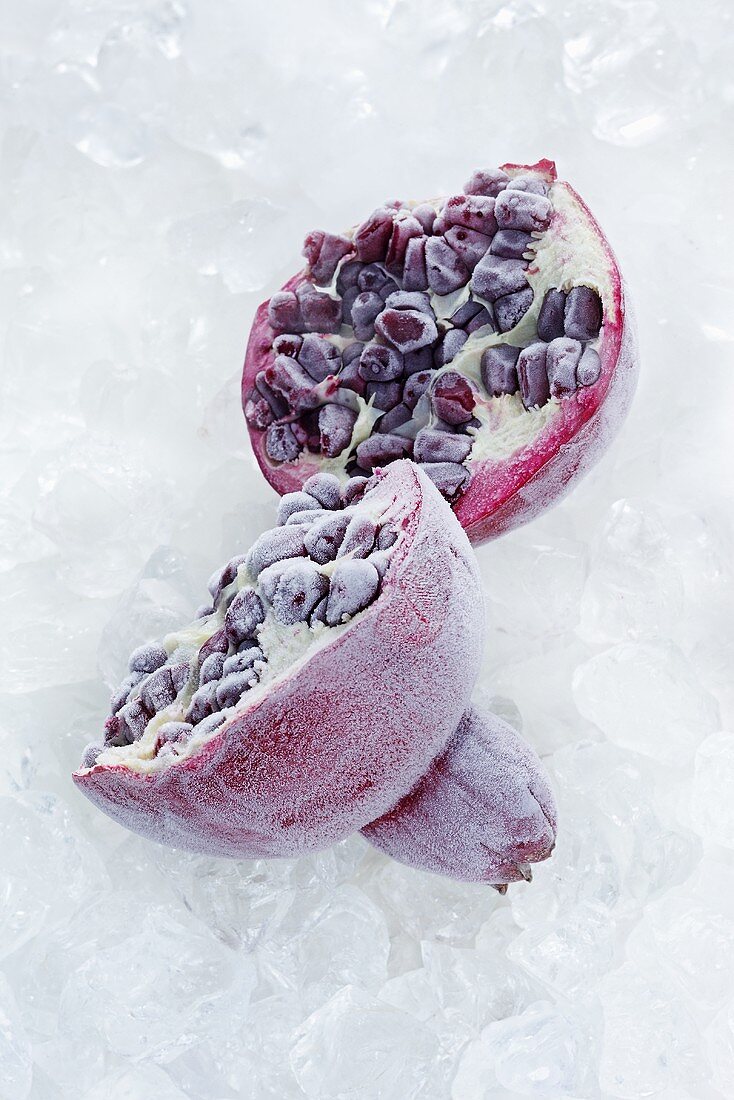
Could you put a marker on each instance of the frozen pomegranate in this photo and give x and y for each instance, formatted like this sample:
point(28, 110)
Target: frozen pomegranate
point(332, 663)
point(483, 812)
point(484, 335)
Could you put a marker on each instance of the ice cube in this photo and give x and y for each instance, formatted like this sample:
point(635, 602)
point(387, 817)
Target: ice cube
point(49, 869)
point(181, 986)
point(544, 1052)
point(343, 940)
point(16, 1062)
point(136, 1081)
point(646, 697)
point(712, 805)
point(635, 588)
point(650, 1041)
point(719, 1045)
point(354, 1043)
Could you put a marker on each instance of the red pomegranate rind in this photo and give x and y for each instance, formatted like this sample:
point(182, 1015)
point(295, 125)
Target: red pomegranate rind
point(342, 735)
point(483, 812)
point(503, 487)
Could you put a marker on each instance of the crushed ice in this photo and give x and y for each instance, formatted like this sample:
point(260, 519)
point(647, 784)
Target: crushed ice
point(161, 163)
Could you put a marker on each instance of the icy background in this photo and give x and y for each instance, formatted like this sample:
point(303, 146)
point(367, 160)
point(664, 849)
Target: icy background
point(161, 161)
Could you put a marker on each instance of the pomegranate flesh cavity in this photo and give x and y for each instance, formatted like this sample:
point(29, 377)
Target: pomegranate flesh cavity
point(331, 665)
point(485, 335)
point(483, 812)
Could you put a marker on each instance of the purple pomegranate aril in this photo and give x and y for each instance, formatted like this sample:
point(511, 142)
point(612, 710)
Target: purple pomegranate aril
point(325, 488)
point(475, 212)
point(243, 660)
point(416, 361)
point(561, 361)
point(384, 395)
point(415, 272)
point(426, 215)
point(410, 299)
point(510, 310)
point(284, 312)
point(499, 370)
point(244, 615)
point(367, 307)
point(336, 424)
point(531, 372)
point(211, 668)
point(354, 584)
point(323, 252)
point(434, 446)
point(319, 357)
point(528, 183)
point(511, 244)
point(348, 275)
point(172, 731)
point(480, 320)
point(406, 329)
point(320, 312)
point(405, 229)
point(522, 210)
point(288, 344)
point(378, 450)
point(486, 182)
point(298, 591)
point(147, 658)
point(583, 315)
point(415, 386)
point(393, 419)
point(589, 368)
point(495, 277)
point(448, 477)
point(359, 537)
point(380, 364)
point(288, 378)
point(350, 377)
point(550, 318)
point(445, 270)
point(469, 244)
point(453, 399)
point(217, 643)
point(465, 313)
point(121, 696)
point(281, 443)
point(278, 406)
point(231, 688)
point(450, 347)
point(158, 691)
point(325, 537)
point(372, 238)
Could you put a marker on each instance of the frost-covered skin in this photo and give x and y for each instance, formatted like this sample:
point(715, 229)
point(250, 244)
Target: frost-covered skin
point(483, 812)
point(261, 729)
point(485, 335)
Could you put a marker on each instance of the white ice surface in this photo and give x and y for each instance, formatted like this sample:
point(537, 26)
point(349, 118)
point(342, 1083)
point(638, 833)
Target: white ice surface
point(160, 162)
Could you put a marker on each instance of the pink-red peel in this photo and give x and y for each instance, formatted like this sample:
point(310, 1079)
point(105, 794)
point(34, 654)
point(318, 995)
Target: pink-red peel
point(338, 737)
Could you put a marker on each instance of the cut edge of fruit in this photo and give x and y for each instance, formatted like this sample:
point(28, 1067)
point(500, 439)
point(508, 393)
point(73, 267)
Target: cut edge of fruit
point(511, 472)
point(287, 648)
point(557, 261)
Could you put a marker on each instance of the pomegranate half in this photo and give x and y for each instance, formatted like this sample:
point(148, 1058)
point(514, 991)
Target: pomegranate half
point(332, 665)
point(485, 335)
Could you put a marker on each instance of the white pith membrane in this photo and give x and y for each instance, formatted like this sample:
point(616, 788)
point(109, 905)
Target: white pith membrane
point(569, 253)
point(284, 646)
